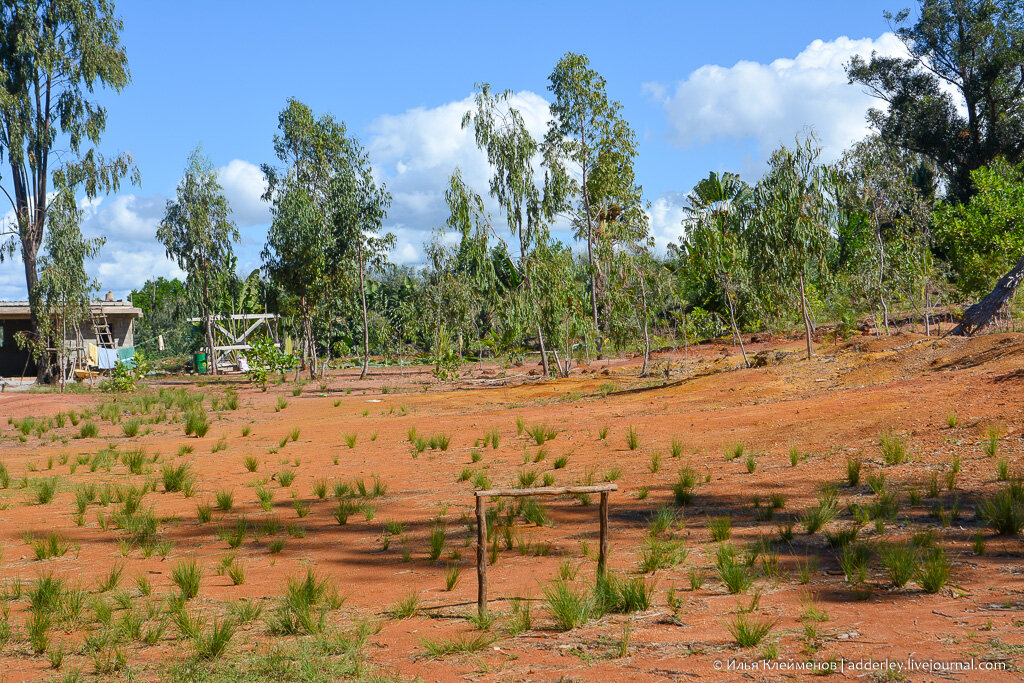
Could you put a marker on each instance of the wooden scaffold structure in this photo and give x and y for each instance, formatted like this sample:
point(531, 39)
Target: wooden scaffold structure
point(232, 334)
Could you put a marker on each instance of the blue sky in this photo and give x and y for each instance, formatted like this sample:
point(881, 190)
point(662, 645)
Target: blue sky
point(707, 86)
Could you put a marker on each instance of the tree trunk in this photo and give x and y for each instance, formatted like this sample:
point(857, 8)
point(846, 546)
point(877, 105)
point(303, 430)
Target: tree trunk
point(881, 271)
point(29, 254)
point(807, 320)
point(647, 335)
point(211, 361)
point(366, 331)
point(735, 329)
point(980, 314)
point(543, 353)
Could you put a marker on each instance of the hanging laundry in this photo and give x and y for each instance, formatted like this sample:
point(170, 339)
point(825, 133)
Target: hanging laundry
point(107, 358)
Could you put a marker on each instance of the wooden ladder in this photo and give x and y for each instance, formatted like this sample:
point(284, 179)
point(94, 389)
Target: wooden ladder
point(104, 338)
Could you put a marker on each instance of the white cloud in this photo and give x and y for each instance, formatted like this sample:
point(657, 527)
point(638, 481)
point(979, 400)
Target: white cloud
point(414, 154)
point(770, 103)
point(122, 270)
point(123, 218)
point(244, 185)
point(666, 219)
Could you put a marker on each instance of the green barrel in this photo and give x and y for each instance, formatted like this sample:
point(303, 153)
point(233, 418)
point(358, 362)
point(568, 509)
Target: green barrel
point(200, 360)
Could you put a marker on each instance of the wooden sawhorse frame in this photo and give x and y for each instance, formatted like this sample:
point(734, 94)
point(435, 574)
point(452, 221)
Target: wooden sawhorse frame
point(481, 526)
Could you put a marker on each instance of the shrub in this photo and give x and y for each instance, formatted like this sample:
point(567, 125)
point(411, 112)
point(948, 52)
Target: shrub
point(749, 632)
point(720, 528)
point(1002, 470)
point(632, 438)
point(196, 423)
point(817, 517)
point(406, 607)
point(853, 559)
point(682, 487)
point(934, 571)
point(734, 574)
point(131, 428)
point(435, 649)
point(570, 607)
point(1004, 511)
point(992, 434)
point(175, 478)
point(89, 430)
point(286, 477)
point(853, 466)
point(214, 643)
point(225, 500)
point(45, 489)
point(901, 564)
point(437, 540)
point(661, 554)
point(204, 512)
point(541, 433)
point(451, 579)
point(734, 451)
point(186, 575)
point(893, 447)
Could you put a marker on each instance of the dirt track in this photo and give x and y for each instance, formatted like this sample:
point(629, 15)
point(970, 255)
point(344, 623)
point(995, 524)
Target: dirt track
point(830, 408)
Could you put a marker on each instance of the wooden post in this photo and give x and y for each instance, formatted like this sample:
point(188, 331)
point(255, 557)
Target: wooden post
point(602, 557)
point(481, 555)
point(481, 526)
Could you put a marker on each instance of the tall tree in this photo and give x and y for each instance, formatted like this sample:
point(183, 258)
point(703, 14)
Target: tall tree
point(501, 132)
point(879, 183)
point(54, 54)
point(362, 205)
point(958, 97)
point(792, 220)
point(300, 254)
point(64, 288)
point(588, 130)
point(716, 213)
point(327, 211)
point(984, 238)
point(198, 233)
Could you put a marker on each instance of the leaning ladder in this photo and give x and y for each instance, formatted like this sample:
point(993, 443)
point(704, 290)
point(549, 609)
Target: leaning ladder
point(104, 338)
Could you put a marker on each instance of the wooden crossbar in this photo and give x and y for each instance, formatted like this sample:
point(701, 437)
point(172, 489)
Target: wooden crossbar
point(481, 526)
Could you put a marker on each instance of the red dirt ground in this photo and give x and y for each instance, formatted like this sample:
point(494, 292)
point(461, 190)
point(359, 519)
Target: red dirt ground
point(831, 407)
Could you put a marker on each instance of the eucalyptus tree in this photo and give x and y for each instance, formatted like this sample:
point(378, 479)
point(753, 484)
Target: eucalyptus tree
point(298, 256)
point(880, 184)
point(529, 206)
point(561, 307)
point(54, 55)
point(296, 260)
point(64, 288)
point(360, 207)
point(198, 233)
point(794, 212)
point(716, 213)
point(588, 131)
point(326, 211)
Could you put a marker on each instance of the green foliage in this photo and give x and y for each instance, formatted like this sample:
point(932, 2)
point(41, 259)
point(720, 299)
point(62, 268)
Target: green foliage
point(1004, 511)
point(198, 233)
point(265, 358)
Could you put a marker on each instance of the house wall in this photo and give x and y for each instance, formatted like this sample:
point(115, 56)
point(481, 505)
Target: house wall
point(122, 328)
point(13, 360)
